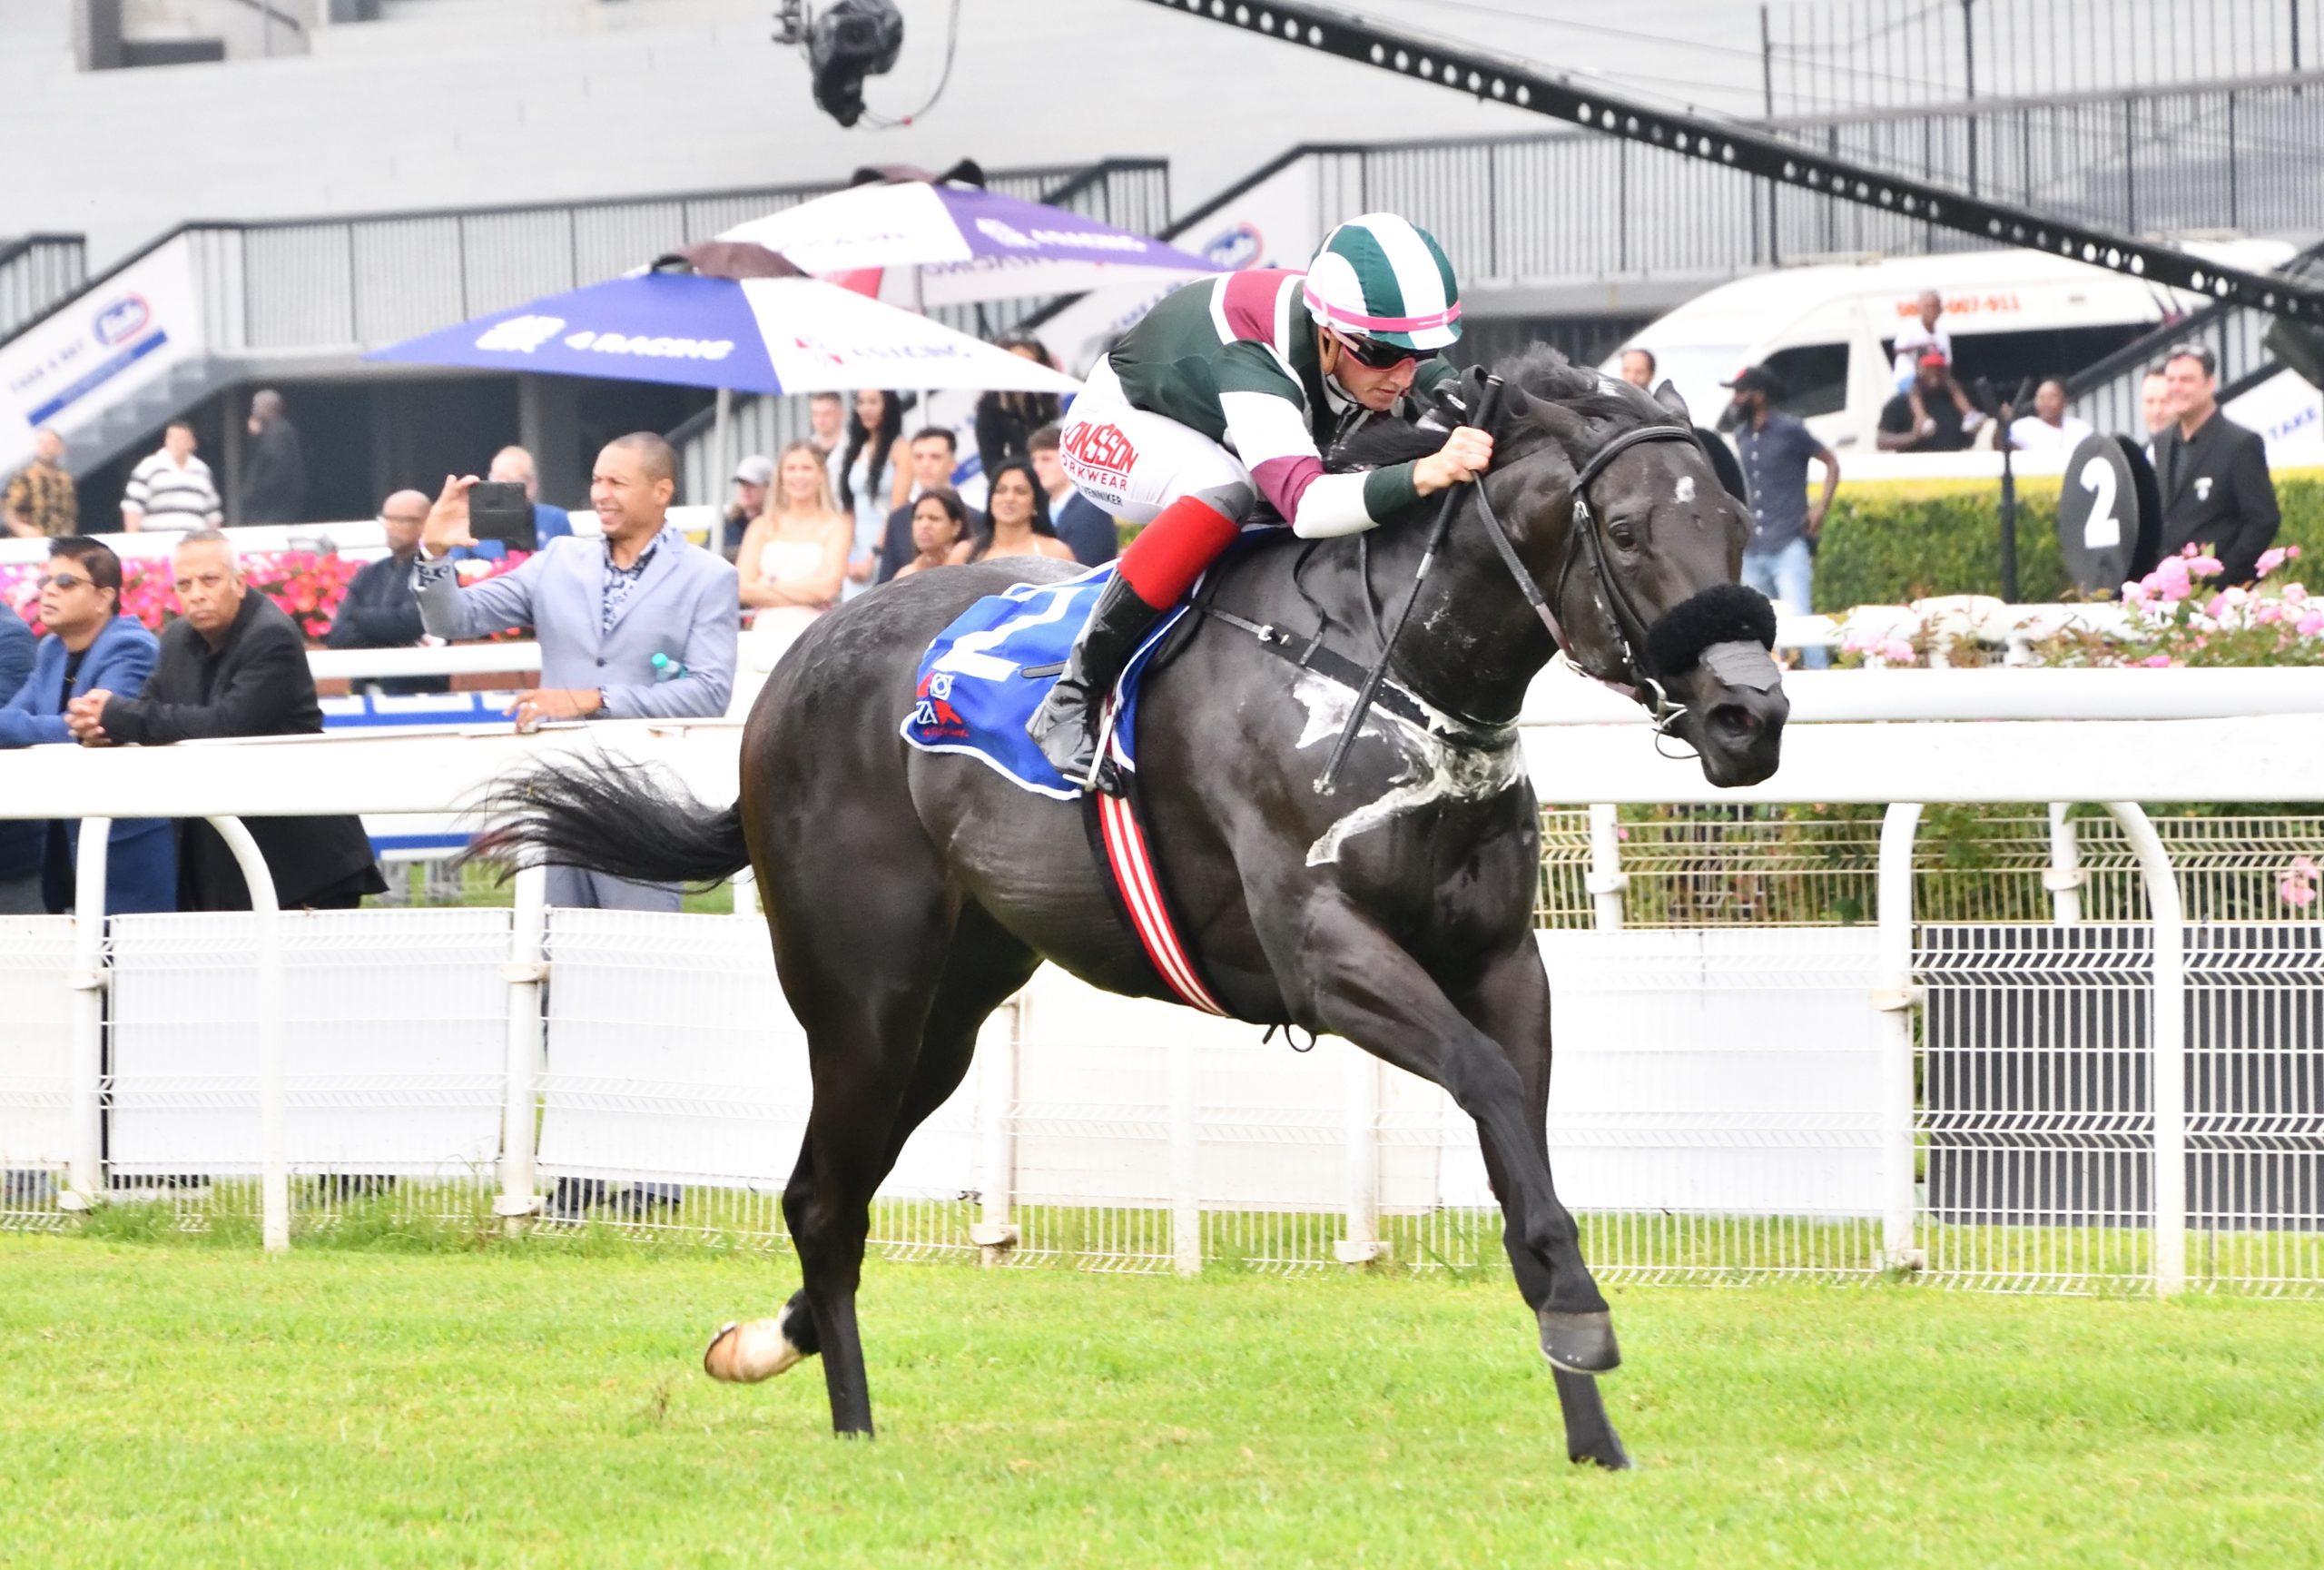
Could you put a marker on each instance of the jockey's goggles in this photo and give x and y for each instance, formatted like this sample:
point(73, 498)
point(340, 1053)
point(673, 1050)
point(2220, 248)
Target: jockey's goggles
point(1379, 356)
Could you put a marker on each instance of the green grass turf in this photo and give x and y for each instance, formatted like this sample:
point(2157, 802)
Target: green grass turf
point(168, 1405)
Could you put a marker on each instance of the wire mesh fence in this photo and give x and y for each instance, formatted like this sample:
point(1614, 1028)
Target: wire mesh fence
point(675, 1087)
point(1791, 866)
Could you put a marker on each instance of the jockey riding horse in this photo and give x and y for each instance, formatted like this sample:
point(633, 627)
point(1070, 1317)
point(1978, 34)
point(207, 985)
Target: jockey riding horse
point(1226, 396)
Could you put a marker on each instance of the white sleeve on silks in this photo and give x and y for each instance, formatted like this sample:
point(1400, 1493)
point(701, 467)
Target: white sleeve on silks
point(1271, 437)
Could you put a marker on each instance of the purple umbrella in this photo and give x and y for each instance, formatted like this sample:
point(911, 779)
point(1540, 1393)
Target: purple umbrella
point(920, 243)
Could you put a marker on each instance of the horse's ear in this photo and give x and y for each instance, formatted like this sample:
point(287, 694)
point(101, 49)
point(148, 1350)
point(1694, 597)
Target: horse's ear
point(1519, 407)
point(1666, 395)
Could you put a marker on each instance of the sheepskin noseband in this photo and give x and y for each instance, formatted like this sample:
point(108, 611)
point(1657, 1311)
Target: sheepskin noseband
point(1723, 613)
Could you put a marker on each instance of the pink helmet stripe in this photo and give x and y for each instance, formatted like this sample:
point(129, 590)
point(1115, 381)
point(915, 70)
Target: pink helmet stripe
point(1349, 319)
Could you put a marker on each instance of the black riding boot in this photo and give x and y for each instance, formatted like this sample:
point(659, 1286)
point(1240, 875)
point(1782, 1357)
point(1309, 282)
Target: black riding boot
point(1065, 728)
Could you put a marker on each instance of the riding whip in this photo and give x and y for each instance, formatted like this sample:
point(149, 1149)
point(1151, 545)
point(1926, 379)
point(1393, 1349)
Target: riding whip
point(1488, 408)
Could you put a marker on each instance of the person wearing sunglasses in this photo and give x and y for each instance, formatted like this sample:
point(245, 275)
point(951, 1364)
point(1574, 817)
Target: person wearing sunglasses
point(1222, 401)
point(89, 646)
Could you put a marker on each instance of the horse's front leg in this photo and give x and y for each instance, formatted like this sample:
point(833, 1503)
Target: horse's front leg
point(1352, 979)
point(1509, 1002)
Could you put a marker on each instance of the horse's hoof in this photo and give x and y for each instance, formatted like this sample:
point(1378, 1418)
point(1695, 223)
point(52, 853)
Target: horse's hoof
point(1579, 1343)
point(745, 1354)
point(1608, 1453)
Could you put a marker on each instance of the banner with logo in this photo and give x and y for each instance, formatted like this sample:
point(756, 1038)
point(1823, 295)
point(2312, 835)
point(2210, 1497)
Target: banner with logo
point(2288, 412)
point(122, 335)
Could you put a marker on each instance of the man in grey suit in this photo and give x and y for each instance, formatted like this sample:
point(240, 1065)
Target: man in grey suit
point(603, 612)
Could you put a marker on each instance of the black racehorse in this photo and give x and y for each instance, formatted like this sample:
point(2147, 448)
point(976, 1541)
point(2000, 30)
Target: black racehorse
point(910, 894)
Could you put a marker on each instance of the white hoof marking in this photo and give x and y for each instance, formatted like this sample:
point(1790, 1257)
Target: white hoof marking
point(744, 1354)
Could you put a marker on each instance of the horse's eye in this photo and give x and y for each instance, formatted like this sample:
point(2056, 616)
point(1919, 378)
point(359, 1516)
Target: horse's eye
point(1623, 534)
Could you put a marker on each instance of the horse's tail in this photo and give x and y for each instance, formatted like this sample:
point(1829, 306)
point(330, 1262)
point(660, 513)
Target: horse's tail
point(625, 820)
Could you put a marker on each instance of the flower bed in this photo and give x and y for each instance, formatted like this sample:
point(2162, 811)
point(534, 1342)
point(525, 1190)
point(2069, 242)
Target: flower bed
point(2173, 617)
point(309, 586)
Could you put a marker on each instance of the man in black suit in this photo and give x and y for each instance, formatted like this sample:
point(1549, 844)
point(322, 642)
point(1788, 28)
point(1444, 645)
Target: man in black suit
point(235, 664)
point(274, 478)
point(2213, 473)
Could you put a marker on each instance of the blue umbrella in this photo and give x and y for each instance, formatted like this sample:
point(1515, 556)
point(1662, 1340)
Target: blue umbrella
point(747, 335)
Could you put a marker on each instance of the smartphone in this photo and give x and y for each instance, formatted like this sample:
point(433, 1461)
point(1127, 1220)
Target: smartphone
point(499, 509)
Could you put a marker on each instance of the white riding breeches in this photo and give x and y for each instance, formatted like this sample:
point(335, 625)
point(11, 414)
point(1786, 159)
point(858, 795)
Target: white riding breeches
point(1134, 463)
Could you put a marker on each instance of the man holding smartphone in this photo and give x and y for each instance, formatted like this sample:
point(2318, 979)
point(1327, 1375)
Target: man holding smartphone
point(603, 611)
point(510, 514)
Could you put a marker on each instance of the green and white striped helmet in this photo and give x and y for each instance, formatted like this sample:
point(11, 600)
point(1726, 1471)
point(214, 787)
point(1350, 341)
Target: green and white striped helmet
point(1382, 278)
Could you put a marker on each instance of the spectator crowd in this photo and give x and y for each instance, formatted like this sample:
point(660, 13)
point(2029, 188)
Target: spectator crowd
point(2211, 472)
point(638, 621)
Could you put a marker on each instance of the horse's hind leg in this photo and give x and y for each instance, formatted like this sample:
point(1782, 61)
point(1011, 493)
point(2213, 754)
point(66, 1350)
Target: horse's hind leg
point(982, 966)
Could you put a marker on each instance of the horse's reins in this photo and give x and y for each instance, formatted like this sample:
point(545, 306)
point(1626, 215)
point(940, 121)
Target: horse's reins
point(1619, 607)
point(1629, 628)
point(1488, 408)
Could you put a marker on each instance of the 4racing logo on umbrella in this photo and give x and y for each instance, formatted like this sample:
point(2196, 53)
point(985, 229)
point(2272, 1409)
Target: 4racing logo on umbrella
point(520, 334)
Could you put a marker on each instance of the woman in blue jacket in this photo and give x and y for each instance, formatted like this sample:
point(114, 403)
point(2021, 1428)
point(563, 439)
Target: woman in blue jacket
point(90, 645)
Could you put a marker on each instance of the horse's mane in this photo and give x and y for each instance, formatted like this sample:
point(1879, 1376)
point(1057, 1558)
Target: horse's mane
point(1569, 404)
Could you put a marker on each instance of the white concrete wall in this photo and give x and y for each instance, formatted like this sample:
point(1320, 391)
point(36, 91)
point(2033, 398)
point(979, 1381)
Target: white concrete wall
point(459, 101)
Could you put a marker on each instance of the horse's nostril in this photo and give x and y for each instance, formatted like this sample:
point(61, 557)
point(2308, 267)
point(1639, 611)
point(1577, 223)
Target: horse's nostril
point(1732, 719)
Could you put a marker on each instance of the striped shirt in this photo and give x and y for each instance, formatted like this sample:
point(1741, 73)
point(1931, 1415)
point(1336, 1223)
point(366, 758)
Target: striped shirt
point(1234, 358)
point(166, 496)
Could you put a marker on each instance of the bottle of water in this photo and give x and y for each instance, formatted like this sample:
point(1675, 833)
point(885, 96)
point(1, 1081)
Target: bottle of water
point(668, 669)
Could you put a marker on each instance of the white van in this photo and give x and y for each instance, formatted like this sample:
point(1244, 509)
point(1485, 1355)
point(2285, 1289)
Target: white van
point(1828, 330)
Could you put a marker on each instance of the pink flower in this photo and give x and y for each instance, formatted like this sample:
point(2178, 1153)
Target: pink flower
point(2310, 625)
point(2157, 662)
point(2205, 566)
point(2271, 559)
point(2295, 893)
point(1898, 650)
point(2187, 552)
point(2217, 607)
point(2268, 613)
point(2303, 866)
point(2293, 593)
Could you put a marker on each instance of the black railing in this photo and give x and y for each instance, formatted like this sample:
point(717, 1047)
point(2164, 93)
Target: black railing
point(360, 282)
point(36, 272)
point(2248, 156)
point(1840, 55)
point(1574, 204)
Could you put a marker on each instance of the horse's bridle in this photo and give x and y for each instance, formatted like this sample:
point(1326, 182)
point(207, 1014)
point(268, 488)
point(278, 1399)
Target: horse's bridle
point(1630, 627)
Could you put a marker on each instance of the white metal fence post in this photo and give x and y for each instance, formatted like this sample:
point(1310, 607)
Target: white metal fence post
point(995, 1229)
point(520, 1094)
point(266, 922)
point(2065, 877)
point(85, 1168)
point(1186, 1205)
point(1361, 1245)
point(1894, 994)
point(2167, 1039)
point(1607, 882)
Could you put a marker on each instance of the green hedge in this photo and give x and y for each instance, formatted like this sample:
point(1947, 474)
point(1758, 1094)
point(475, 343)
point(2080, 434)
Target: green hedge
point(1888, 544)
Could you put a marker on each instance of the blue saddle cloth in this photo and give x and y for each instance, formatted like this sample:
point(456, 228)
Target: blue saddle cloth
point(981, 680)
